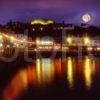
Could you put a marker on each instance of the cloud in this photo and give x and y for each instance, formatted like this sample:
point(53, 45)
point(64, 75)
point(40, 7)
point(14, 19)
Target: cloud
point(58, 9)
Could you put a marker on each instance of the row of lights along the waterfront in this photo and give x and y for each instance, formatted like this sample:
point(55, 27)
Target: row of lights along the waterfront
point(44, 43)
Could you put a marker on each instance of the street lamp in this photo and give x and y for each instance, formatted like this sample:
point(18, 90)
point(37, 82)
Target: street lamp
point(69, 40)
point(87, 40)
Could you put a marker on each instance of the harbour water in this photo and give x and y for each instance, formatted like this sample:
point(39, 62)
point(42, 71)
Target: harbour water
point(69, 78)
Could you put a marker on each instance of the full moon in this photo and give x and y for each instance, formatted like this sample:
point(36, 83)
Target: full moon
point(86, 18)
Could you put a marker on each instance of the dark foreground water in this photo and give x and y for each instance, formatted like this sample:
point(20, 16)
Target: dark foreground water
point(46, 79)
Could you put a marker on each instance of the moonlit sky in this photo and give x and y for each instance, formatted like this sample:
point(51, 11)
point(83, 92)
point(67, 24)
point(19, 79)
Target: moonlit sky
point(70, 11)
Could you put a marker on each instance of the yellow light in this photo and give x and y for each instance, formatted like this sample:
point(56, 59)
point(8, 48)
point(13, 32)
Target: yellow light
point(1, 37)
point(24, 77)
point(98, 48)
point(46, 42)
point(37, 41)
point(12, 39)
point(88, 70)
point(70, 72)
point(50, 22)
point(89, 48)
point(1, 45)
point(39, 72)
point(69, 40)
point(42, 22)
point(48, 70)
point(87, 40)
point(45, 71)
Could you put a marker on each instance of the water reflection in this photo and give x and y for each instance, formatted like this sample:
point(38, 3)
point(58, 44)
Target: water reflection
point(43, 71)
point(41, 74)
point(70, 72)
point(89, 69)
point(17, 86)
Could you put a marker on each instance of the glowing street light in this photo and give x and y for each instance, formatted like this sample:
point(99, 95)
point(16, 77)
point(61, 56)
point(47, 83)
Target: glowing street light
point(89, 49)
point(1, 45)
point(69, 40)
point(87, 40)
point(1, 37)
point(12, 39)
point(38, 41)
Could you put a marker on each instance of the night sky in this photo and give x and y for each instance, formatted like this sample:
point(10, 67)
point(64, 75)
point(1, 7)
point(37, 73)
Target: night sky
point(70, 11)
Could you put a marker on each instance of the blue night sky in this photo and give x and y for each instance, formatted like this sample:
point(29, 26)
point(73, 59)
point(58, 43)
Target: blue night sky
point(70, 11)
